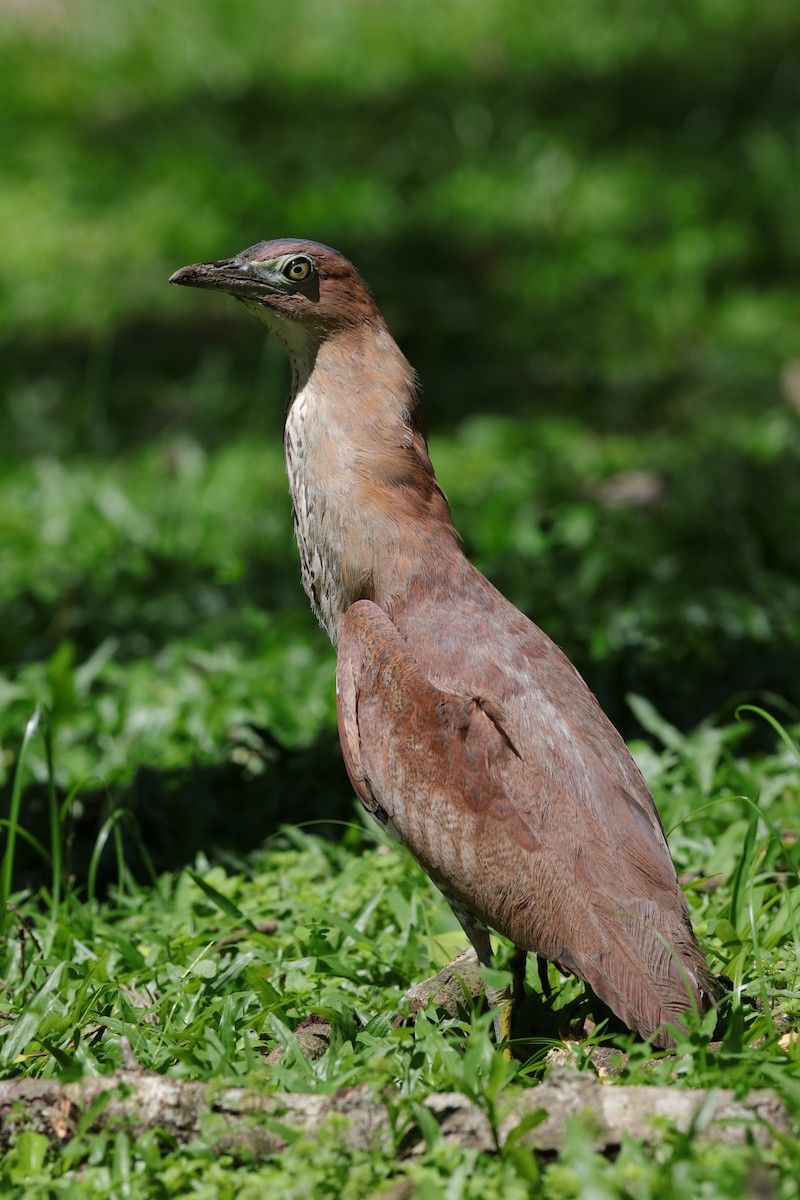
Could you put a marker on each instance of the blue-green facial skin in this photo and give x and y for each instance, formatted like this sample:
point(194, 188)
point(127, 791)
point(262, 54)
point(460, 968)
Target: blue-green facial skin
point(275, 272)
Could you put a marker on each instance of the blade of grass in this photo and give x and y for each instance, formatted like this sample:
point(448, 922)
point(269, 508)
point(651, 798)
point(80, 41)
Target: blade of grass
point(55, 823)
point(30, 838)
point(7, 870)
point(742, 868)
point(110, 824)
point(31, 1016)
point(225, 905)
point(776, 725)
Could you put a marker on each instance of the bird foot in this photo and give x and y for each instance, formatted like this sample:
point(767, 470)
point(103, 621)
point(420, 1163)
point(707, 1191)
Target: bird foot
point(460, 984)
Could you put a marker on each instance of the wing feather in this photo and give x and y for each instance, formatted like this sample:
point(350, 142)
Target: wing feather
point(510, 834)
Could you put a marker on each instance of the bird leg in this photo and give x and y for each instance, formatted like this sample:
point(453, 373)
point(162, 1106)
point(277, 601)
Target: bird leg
point(544, 978)
point(461, 981)
point(518, 961)
point(504, 1001)
point(507, 1001)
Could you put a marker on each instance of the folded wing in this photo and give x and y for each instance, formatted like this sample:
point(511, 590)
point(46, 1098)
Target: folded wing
point(567, 859)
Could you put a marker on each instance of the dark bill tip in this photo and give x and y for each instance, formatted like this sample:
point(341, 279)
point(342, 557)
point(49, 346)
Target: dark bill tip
point(229, 275)
point(224, 275)
point(192, 276)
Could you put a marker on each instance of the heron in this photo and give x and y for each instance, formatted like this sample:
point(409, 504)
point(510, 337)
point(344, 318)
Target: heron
point(464, 728)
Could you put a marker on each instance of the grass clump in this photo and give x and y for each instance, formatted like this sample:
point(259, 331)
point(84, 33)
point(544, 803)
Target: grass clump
point(338, 928)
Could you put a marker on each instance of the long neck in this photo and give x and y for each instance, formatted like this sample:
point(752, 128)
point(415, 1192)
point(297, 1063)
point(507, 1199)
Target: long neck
point(369, 515)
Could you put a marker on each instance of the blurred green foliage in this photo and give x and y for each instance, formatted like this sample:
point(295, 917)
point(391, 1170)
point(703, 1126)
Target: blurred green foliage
point(588, 206)
point(579, 220)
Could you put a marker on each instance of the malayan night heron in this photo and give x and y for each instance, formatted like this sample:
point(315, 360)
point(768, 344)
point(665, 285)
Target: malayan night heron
point(462, 725)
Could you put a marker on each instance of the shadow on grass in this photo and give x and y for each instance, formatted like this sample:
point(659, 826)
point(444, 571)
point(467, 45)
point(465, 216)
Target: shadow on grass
point(222, 811)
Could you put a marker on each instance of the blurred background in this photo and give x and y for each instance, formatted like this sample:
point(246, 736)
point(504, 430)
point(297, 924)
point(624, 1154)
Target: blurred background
point(581, 223)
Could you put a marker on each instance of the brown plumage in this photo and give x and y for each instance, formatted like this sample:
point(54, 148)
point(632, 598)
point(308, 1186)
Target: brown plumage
point(461, 722)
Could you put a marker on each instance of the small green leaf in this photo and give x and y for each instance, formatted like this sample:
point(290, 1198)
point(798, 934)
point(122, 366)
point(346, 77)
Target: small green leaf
point(222, 902)
point(206, 968)
point(31, 1150)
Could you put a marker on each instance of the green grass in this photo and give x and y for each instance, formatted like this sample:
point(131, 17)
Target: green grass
point(356, 922)
point(580, 223)
point(152, 600)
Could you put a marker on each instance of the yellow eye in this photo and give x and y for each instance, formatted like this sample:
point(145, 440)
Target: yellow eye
point(297, 269)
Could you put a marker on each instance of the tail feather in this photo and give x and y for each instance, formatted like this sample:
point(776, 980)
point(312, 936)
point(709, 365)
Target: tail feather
point(649, 972)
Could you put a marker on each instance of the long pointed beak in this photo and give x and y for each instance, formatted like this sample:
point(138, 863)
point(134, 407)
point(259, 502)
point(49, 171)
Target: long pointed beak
point(236, 276)
point(204, 275)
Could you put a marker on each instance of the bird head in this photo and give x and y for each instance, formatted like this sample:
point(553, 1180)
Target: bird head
point(302, 290)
